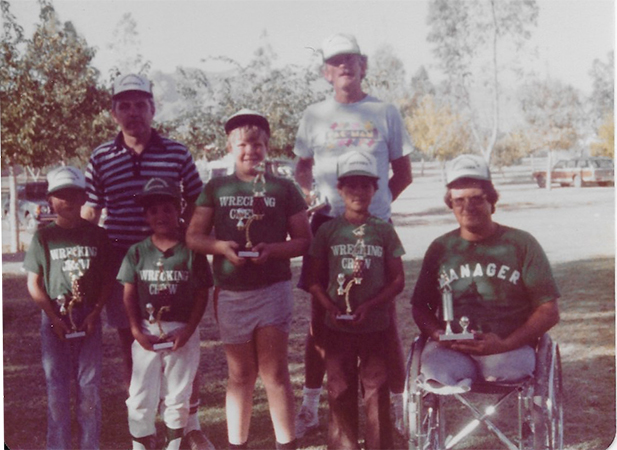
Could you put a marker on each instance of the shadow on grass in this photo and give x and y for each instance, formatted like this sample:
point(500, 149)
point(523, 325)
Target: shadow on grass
point(586, 336)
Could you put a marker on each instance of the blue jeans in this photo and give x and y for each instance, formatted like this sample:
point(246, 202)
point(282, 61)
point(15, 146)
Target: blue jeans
point(79, 359)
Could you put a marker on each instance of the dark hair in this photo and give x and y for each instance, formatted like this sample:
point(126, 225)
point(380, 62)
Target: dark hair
point(341, 182)
point(487, 187)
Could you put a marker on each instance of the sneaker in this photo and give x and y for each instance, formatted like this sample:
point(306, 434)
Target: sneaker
point(306, 420)
point(196, 440)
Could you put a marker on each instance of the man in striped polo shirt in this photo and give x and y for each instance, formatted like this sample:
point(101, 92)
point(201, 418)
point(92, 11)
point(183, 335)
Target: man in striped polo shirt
point(117, 172)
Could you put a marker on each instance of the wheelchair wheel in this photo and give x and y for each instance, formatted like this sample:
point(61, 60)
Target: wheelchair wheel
point(423, 411)
point(548, 415)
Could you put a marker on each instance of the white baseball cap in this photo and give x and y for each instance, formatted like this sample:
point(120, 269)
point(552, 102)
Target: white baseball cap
point(65, 177)
point(247, 117)
point(467, 166)
point(358, 163)
point(132, 82)
point(339, 44)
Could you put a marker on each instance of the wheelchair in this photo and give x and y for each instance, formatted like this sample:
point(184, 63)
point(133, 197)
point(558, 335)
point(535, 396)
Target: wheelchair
point(539, 405)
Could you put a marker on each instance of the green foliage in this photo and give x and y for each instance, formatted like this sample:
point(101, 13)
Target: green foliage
point(51, 105)
point(603, 95)
point(553, 112)
point(605, 146)
point(385, 77)
point(281, 93)
point(437, 131)
point(511, 148)
point(467, 38)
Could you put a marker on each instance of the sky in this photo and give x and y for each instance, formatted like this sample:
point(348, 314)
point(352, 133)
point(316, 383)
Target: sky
point(569, 36)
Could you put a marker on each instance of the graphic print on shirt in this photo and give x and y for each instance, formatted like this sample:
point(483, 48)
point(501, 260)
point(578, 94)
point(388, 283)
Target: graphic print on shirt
point(75, 259)
point(163, 282)
point(241, 206)
point(352, 134)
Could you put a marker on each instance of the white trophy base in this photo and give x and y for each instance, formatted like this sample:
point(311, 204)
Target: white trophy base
point(248, 254)
point(75, 334)
point(345, 317)
point(162, 346)
point(456, 337)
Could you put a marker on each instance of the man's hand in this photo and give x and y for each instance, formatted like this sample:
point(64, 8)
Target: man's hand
point(483, 344)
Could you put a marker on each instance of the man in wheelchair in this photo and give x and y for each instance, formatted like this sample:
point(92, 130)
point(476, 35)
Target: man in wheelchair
point(500, 280)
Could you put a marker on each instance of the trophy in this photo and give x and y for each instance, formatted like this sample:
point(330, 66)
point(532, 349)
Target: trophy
point(256, 213)
point(359, 253)
point(163, 291)
point(152, 319)
point(448, 313)
point(76, 299)
point(315, 201)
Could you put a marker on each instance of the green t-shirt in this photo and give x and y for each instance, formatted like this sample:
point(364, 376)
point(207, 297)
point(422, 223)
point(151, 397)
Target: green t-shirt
point(58, 253)
point(335, 242)
point(169, 278)
point(497, 282)
point(232, 199)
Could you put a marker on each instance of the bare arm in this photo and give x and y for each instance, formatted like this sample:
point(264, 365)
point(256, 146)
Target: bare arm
point(198, 237)
point(40, 297)
point(297, 244)
point(92, 215)
point(394, 285)
point(304, 174)
point(401, 176)
point(184, 334)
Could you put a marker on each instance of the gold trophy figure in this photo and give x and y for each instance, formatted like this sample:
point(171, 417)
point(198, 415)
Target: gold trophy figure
point(447, 308)
point(157, 320)
point(359, 254)
point(76, 299)
point(257, 213)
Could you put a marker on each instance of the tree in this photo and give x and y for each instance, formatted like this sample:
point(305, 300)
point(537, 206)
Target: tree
point(52, 109)
point(511, 148)
point(603, 95)
point(553, 112)
point(385, 78)
point(437, 131)
point(467, 35)
point(605, 146)
point(281, 93)
point(126, 48)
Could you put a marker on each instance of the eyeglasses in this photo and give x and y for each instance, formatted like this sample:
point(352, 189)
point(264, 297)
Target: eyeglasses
point(475, 200)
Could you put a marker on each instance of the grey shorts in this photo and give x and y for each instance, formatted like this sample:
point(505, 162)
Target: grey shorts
point(240, 313)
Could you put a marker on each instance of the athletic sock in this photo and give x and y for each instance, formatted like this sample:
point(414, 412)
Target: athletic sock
point(193, 419)
point(310, 398)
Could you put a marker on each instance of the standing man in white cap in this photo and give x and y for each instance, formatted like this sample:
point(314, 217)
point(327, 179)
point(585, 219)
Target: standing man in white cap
point(500, 279)
point(350, 120)
point(116, 174)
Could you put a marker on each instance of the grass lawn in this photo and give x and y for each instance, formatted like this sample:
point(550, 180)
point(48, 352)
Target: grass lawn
point(586, 337)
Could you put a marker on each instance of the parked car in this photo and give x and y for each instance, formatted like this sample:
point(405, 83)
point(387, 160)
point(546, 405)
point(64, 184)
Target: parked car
point(33, 210)
point(579, 172)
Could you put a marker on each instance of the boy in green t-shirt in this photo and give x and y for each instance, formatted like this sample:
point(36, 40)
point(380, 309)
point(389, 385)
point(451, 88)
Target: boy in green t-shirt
point(362, 255)
point(165, 295)
point(253, 212)
point(68, 278)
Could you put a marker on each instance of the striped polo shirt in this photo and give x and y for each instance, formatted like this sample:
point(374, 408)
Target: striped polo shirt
point(116, 175)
